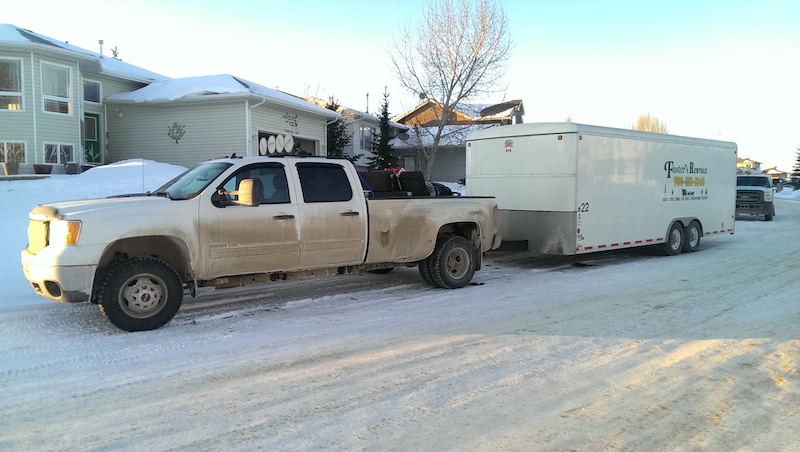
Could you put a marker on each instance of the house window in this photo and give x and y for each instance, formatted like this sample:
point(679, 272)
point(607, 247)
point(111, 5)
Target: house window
point(10, 85)
point(56, 82)
point(12, 152)
point(59, 153)
point(91, 91)
point(367, 134)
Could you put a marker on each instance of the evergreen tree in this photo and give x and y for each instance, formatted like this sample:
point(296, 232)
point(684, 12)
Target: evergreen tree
point(796, 171)
point(383, 156)
point(338, 138)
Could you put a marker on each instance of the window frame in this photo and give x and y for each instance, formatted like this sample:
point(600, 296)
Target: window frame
point(56, 98)
point(4, 151)
point(99, 91)
point(18, 94)
point(59, 153)
point(367, 137)
point(313, 188)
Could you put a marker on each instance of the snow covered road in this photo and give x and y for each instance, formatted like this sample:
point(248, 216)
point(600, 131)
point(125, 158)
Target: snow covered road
point(628, 351)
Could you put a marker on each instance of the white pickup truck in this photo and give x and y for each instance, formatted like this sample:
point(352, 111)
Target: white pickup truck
point(238, 221)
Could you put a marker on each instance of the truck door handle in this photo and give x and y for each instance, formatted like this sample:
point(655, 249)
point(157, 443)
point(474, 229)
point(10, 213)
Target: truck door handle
point(283, 217)
point(349, 213)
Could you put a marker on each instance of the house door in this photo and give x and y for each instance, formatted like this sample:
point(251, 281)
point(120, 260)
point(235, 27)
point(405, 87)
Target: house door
point(91, 138)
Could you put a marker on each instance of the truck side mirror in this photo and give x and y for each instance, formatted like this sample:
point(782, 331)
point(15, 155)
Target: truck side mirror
point(250, 192)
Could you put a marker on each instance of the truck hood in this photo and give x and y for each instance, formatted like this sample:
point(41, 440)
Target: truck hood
point(77, 209)
point(752, 188)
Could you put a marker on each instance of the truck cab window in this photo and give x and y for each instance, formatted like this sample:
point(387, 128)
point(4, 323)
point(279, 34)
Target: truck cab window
point(273, 181)
point(324, 182)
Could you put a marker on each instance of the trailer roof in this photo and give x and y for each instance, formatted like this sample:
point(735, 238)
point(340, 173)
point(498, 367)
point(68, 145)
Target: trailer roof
point(551, 128)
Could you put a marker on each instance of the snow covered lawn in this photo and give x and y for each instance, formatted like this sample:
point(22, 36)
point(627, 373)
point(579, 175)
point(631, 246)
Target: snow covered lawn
point(628, 351)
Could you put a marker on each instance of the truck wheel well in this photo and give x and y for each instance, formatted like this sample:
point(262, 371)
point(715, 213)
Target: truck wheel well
point(171, 250)
point(470, 231)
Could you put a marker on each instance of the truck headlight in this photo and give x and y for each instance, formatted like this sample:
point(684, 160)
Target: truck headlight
point(768, 196)
point(64, 233)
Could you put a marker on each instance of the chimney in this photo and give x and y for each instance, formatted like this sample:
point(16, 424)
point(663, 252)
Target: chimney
point(101, 47)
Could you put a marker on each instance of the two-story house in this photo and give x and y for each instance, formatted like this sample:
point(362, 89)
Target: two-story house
point(51, 98)
point(62, 104)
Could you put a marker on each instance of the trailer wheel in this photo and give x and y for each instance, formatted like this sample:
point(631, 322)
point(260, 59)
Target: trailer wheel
point(452, 263)
point(674, 243)
point(692, 235)
point(140, 294)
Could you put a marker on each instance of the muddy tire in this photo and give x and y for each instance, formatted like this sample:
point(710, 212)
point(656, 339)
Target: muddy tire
point(692, 235)
point(452, 263)
point(675, 238)
point(425, 271)
point(140, 294)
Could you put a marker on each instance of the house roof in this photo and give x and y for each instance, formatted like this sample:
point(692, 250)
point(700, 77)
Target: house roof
point(428, 112)
point(356, 115)
point(452, 136)
point(12, 36)
point(214, 86)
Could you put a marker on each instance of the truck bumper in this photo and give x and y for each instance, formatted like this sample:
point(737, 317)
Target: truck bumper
point(65, 284)
point(754, 209)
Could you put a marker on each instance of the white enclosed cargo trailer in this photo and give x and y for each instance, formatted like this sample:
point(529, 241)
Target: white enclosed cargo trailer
point(569, 188)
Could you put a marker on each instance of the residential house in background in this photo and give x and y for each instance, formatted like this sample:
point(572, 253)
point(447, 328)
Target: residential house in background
point(188, 120)
point(62, 104)
point(450, 162)
point(51, 99)
point(746, 165)
point(363, 128)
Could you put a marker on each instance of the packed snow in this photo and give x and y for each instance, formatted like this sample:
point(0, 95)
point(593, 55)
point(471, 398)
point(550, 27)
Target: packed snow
point(626, 350)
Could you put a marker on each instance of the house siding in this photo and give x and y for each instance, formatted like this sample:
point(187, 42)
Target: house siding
point(34, 126)
point(211, 130)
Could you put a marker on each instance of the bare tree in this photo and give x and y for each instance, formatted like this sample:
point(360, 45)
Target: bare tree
point(456, 52)
point(649, 123)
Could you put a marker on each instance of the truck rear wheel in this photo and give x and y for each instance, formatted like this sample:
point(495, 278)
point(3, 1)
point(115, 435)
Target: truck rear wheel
point(691, 241)
point(140, 294)
point(425, 271)
point(452, 263)
point(674, 244)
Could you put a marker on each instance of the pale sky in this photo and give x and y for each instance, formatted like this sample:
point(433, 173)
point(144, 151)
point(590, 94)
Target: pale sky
point(723, 69)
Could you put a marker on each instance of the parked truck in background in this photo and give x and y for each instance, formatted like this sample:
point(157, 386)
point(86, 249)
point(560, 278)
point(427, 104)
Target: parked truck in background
point(754, 195)
point(569, 188)
point(237, 221)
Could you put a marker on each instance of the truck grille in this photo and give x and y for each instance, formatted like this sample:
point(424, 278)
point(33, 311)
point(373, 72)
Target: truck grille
point(37, 235)
point(748, 196)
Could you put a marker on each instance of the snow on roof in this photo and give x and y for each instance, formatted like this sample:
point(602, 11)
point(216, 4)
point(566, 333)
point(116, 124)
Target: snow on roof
point(211, 85)
point(14, 35)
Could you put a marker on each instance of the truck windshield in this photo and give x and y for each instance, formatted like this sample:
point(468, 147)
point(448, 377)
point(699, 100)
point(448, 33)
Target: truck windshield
point(745, 181)
point(192, 182)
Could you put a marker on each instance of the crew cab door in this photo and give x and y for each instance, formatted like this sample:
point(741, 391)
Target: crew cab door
point(333, 216)
point(240, 239)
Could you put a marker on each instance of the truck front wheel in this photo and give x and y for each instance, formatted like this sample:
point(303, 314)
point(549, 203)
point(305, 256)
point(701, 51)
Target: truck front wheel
point(452, 263)
point(140, 294)
point(771, 214)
